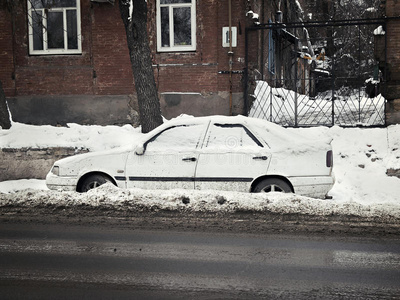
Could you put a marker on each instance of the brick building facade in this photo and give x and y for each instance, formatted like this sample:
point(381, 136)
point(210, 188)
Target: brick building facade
point(391, 9)
point(96, 85)
point(93, 84)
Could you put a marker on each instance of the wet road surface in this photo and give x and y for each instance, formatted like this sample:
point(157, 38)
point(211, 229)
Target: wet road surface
point(78, 262)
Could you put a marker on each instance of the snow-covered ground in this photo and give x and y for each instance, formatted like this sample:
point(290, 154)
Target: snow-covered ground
point(361, 158)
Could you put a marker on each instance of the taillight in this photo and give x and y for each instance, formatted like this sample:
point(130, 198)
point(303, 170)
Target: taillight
point(329, 159)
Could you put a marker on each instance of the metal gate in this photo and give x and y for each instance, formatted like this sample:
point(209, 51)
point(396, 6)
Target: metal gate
point(310, 74)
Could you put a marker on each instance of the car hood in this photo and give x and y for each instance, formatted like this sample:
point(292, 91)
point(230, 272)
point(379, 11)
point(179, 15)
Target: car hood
point(79, 157)
point(106, 161)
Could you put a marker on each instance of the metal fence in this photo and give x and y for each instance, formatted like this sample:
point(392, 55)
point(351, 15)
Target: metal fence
point(312, 74)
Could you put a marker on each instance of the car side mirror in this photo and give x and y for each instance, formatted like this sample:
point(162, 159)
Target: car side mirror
point(139, 150)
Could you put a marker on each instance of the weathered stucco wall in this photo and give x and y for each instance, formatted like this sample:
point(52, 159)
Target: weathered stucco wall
point(82, 109)
point(27, 163)
point(117, 110)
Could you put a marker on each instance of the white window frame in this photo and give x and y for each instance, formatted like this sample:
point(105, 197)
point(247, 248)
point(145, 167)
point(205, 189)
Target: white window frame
point(46, 50)
point(172, 47)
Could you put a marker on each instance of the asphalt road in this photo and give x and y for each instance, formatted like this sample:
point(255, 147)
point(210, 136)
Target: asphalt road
point(104, 262)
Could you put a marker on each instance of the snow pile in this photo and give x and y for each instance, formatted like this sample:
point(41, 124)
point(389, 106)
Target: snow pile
point(94, 138)
point(379, 31)
point(109, 196)
point(361, 159)
point(393, 158)
point(13, 186)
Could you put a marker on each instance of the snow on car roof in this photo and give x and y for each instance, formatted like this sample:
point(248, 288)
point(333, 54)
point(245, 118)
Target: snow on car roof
point(275, 136)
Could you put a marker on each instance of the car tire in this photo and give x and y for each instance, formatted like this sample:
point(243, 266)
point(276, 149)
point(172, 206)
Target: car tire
point(273, 185)
point(93, 181)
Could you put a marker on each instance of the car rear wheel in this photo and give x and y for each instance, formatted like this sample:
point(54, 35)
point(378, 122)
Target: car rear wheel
point(273, 185)
point(93, 181)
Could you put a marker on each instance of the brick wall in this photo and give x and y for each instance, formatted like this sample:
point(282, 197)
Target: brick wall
point(393, 41)
point(6, 51)
point(393, 63)
point(392, 8)
point(199, 72)
point(50, 74)
point(111, 64)
point(104, 67)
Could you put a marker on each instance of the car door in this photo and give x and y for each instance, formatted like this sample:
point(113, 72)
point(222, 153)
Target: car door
point(169, 159)
point(231, 157)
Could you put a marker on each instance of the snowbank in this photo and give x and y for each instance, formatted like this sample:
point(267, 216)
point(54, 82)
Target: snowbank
point(94, 138)
point(13, 186)
point(361, 159)
point(108, 196)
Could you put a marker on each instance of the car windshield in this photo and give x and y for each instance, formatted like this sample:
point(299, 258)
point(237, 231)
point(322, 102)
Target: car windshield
point(177, 138)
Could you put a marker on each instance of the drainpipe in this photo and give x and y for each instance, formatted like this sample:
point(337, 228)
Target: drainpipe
point(230, 54)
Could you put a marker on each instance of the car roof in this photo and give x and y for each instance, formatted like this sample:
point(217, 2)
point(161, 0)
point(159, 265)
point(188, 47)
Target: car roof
point(275, 136)
point(272, 134)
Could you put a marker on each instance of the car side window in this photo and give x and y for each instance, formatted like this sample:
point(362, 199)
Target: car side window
point(177, 138)
point(231, 136)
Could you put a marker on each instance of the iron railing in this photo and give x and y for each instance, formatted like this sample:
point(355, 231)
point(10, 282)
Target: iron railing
point(339, 84)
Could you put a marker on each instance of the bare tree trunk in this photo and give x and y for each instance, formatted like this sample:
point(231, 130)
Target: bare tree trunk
point(5, 122)
point(139, 52)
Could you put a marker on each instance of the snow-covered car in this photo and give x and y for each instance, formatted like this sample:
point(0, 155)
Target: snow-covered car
point(217, 153)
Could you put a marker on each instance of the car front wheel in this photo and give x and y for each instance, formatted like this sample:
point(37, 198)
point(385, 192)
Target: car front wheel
point(93, 181)
point(273, 185)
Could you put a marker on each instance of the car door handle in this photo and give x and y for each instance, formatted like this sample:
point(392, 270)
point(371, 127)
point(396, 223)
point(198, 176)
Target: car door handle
point(189, 159)
point(260, 157)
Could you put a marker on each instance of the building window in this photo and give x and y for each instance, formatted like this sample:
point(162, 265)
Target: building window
point(271, 50)
point(54, 27)
point(176, 25)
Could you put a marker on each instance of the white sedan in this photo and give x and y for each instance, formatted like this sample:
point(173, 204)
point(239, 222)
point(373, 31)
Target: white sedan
point(218, 153)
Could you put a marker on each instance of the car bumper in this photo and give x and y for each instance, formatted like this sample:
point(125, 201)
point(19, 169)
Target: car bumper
point(315, 187)
point(55, 182)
